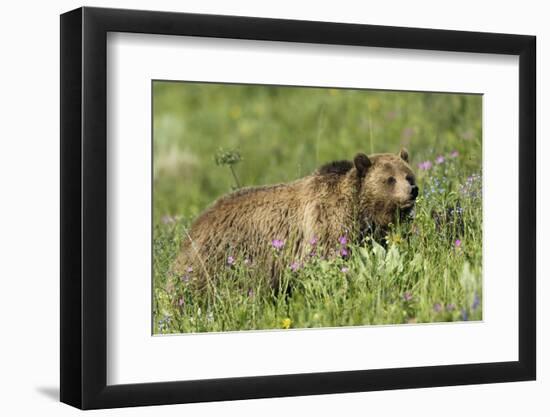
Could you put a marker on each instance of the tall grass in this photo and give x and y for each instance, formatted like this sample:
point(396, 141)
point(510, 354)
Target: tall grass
point(427, 270)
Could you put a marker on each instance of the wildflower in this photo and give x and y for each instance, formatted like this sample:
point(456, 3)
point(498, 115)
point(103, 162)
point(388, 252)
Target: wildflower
point(464, 315)
point(454, 154)
point(294, 266)
point(246, 261)
point(181, 302)
point(407, 296)
point(458, 211)
point(451, 307)
point(164, 322)
point(250, 293)
point(437, 307)
point(187, 276)
point(424, 166)
point(167, 219)
point(468, 135)
point(475, 303)
point(230, 261)
point(458, 243)
point(235, 112)
point(407, 133)
point(313, 242)
point(227, 157)
point(344, 269)
point(277, 243)
point(440, 159)
point(286, 323)
point(472, 187)
point(343, 240)
point(210, 317)
point(395, 239)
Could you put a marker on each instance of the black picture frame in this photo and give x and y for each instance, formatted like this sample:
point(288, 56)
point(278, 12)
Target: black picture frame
point(84, 207)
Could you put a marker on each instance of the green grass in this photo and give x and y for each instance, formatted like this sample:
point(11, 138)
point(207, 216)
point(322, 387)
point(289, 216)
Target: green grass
point(420, 275)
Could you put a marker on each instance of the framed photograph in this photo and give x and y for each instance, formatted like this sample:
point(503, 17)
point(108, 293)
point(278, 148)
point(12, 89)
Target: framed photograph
point(257, 208)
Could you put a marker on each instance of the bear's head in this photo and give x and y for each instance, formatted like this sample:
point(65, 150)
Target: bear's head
point(387, 187)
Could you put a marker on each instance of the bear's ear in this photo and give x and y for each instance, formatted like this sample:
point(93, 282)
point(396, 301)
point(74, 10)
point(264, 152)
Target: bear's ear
point(362, 163)
point(404, 155)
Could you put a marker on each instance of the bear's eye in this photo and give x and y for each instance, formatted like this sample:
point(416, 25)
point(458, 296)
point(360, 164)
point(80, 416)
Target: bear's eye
point(410, 179)
point(391, 180)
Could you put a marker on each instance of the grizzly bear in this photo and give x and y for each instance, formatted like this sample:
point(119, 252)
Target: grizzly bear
point(277, 225)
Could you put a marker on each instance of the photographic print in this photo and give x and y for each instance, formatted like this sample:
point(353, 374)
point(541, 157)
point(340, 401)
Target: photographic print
point(283, 207)
point(309, 192)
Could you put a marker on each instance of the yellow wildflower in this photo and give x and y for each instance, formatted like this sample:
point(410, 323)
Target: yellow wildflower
point(235, 112)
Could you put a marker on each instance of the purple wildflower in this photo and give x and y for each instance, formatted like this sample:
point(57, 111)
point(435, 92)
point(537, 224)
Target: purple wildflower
point(189, 269)
point(230, 261)
point(407, 296)
point(344, 252)
point(440, 159)
point(458, 243)
point(475, 303)
point(472, 186)
point(294, 266)
point(407, 133)
point(344, 269)
point(437, 307)
point(454, 154)
point(391, 115)
point(343, 240)
point(181, 302)
point(277, 243)
point(424, 166)
point(313, 241)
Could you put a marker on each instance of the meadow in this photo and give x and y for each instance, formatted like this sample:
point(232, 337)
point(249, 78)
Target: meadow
point(210, 139)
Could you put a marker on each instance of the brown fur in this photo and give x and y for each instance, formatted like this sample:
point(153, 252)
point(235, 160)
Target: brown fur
point(339, 199)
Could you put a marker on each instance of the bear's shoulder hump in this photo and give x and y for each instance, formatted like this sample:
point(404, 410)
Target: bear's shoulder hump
point(335, 168)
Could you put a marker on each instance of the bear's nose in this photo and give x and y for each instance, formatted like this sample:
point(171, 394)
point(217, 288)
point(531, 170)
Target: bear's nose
point(414, 191)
